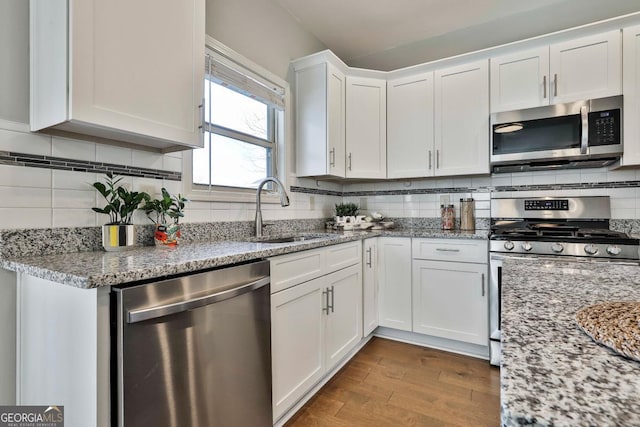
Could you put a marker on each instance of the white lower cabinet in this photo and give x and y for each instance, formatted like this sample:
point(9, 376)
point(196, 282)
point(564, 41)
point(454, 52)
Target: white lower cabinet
point(314, 324)
point(297, 342)
point(450, 300)
point(394, 282)
point(370, 286)
point(343, 317)
point(450, 289)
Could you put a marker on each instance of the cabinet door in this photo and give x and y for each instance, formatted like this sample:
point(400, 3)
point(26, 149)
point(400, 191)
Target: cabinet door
point(344, 318)
point(366, 128)
point(410, 127)
point(631, 90)
point(370, 286)
point(297, 342)
point(450, 300)
point(462, 119)
point(520, 80)
point(336, 93)
point(138, 66)
point(586, 68)
point(394, 282)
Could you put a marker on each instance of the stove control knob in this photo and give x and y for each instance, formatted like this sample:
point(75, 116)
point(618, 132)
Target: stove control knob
point(590, 249)
point(508, 245)
point(614, 250)
point(526, 246)
point(557, 247)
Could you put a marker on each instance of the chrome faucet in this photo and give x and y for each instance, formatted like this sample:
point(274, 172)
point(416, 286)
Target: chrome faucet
point(284, 200)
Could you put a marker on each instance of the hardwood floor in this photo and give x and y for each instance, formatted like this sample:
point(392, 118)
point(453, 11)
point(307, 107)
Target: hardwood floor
point(390, 383)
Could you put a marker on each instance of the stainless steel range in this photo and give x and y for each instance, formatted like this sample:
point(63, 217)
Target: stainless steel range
point(573, 228)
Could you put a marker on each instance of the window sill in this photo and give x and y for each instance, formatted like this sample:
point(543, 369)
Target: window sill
point(230, 196)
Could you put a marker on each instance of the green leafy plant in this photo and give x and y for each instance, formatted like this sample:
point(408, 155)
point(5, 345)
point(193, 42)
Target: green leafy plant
point(347, 209)
point(168, 206)
point(121, 203)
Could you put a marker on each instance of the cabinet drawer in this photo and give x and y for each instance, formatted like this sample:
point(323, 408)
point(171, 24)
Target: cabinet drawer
point(292, 269)
point(460, 250)
point(344, 255)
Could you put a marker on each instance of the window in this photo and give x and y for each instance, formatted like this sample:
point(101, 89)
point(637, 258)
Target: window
point(243, 114)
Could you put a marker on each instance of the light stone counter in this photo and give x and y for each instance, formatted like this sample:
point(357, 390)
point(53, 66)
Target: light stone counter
point(98, 268)
point(552, 373)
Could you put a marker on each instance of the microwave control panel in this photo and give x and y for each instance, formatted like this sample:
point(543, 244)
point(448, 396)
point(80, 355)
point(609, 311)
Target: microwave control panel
point(605, 127)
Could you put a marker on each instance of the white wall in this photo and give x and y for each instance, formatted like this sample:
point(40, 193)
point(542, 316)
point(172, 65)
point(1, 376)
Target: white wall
point(14, 60)
point(262, 31)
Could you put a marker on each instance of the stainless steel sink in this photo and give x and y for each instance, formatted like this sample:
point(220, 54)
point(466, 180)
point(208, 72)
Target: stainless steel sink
point(291, 239)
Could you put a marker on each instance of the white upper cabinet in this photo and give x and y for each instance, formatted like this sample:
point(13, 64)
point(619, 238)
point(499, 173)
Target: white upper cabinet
point(520, 80)
point(410, 150)
point(585, 68)
point(462, 119)
point(320, 120)
point(631, 90)
point(126, 71)
point(366, 127)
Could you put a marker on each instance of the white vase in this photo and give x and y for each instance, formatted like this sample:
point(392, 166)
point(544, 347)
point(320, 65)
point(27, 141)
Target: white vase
point(118, 237)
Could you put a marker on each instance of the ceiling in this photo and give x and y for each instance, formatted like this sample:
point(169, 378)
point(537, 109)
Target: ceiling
point(391, 34)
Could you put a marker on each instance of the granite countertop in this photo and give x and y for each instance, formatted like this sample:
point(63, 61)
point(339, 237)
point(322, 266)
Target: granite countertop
point(552, 373)
point(94, 269)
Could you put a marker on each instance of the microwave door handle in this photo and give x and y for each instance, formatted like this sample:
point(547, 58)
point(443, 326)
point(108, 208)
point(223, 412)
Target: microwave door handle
point(584, 140)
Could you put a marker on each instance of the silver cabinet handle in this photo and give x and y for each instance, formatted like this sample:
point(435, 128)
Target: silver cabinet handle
point(349, 161)
point(437, 159)
point(429, 159)
point(447, 250)
point(333, 295)
point(201, 111)
point(135, 316)
point(584, 138)
point(555, 85)
point(369, 257)
point(325, 294)
point(482, 284)
point(544, 86)
point(332, 157)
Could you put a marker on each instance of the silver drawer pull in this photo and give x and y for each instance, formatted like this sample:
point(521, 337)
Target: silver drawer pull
point(447, 250)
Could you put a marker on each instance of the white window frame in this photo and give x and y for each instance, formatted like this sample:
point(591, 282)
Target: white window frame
point(229, 194)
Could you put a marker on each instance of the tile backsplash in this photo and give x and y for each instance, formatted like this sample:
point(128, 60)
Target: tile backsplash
point(50, 187)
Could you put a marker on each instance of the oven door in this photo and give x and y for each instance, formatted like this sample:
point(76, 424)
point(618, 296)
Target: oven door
point(495, 287)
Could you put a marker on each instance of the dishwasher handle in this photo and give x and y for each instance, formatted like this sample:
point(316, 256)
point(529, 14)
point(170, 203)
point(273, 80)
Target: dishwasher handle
point(135, 316)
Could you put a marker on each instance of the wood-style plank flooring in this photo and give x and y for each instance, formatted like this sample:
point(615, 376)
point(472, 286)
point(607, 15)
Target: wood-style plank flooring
point(390, 383)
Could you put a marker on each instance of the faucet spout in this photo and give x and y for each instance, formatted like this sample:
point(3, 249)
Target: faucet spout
point(284, 200)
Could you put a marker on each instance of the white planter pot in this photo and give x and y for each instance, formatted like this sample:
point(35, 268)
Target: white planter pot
point(118, 237)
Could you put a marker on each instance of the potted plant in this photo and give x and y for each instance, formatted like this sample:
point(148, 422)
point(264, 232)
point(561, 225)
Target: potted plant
point(165, 213)
point(346, 209)
point(119, 233)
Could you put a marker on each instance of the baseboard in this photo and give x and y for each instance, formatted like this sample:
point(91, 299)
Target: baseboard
point(452, 346)
point(304, 399)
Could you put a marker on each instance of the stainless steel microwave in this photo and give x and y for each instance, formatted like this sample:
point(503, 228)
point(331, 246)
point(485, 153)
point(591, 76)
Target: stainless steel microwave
point(578, 134)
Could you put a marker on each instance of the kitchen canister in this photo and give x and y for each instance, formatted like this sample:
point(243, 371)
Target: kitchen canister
point(467, 214)
point(447, 217)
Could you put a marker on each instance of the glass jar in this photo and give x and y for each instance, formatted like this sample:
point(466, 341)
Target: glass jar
point(447, 217)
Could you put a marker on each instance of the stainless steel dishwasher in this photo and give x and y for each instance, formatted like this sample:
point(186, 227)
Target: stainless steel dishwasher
point(195, 351)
